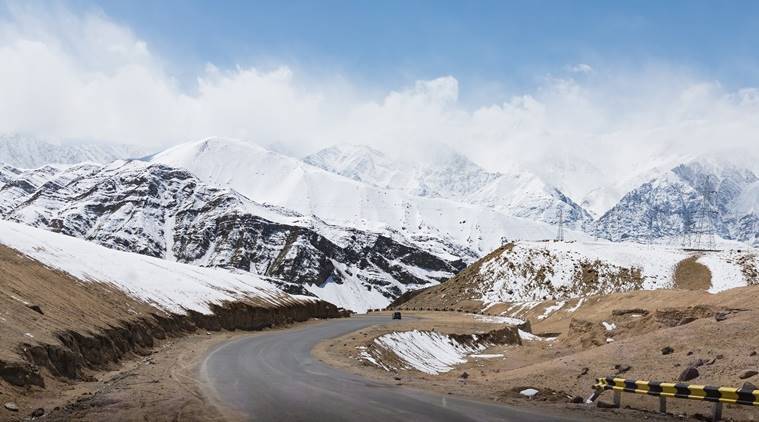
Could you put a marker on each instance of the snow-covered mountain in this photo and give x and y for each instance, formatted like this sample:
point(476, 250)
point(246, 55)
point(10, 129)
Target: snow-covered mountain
point(447, 174)
point(272, 178)
point(31, 152)
point(669, 205)
point(168, 213)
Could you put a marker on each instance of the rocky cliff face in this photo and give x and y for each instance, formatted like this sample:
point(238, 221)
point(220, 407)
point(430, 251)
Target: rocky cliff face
point(165, 212)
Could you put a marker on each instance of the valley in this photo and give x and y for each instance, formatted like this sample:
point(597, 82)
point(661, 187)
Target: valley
point(185, 252)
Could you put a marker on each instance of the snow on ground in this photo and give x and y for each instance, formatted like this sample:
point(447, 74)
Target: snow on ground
point(609, 326)
point(526, 336)
point(171, 286)
point(726, 274)
point(551, 309)
point(577, 305)
point(350, 293)
point(427, 351)
point(498, 319)
point(504, 279)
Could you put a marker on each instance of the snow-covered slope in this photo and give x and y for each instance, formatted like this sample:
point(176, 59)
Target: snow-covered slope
point(447, 174)
point(525, 272)
point(670, 204)
point(270, 177)
point(171, 286)
point(168, 213)
point(30, 152)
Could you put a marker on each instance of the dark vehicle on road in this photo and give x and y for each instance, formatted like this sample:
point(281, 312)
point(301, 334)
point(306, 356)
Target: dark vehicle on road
point(396, 315)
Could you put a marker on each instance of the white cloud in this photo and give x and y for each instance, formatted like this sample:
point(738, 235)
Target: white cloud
point(84, 76)
point(580, 68)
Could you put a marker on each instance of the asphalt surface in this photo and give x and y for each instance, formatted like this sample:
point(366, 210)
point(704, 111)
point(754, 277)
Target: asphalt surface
point(273, 377)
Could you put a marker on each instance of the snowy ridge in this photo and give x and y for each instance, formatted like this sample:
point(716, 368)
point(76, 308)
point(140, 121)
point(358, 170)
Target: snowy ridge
point(272, 178)
point(170, 286)
point(448, 174)
point(31, 152)
point(168, 213)
point(669, 205)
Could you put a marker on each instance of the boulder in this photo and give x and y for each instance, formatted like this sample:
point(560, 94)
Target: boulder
point(13, 407)
point(36, 308)
point(667, 350)
point(688, 374)
point(748, 373)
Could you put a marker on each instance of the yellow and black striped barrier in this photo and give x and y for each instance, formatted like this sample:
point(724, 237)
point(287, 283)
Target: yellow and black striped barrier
point(664, 390)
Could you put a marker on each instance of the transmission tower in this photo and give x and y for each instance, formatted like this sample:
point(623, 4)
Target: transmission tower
point(560, 233)
point(700, 235)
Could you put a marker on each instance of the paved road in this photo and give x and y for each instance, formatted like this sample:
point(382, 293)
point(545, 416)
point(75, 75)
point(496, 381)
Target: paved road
point(273, 377)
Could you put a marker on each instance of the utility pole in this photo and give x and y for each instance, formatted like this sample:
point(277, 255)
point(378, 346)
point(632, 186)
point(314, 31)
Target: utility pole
point(700, 233)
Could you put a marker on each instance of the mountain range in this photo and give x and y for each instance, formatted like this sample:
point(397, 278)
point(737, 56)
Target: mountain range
point(348, 224)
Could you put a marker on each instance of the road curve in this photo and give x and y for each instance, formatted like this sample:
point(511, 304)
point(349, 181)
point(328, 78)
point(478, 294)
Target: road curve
point(273, 377)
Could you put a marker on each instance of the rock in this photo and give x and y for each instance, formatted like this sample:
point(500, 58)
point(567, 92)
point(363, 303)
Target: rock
point(688, 374)
point(604, 405)
point(36, 308)
point(721, 316)
point(577, 400)
point(748, 386)
point(667, 350)
point(38, 412)
point(583, 372)
point(635, 311)
point(719, 357)
point(621, 369)
point(529, 392)
point(13, 407)
point(697, 363)
point(747, 374)
point(752, 353)
point(711, 361)
point(464, 375)
point(397, 378)
point(690, 353)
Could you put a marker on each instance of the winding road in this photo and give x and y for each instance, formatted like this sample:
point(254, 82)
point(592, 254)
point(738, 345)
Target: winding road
point(273, 377)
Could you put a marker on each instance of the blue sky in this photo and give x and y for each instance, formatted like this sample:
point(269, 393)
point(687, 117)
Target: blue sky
point(504, 45)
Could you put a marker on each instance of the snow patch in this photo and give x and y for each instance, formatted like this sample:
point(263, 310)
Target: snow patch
point(498, 319)
point(427, 351)
point(551, 309)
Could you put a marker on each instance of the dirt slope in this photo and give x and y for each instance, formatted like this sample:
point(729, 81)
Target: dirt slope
point(56, 330)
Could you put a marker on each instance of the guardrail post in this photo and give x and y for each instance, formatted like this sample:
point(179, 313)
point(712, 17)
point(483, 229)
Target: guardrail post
point(617, 399)
point(662, 405)
point(717, 412)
